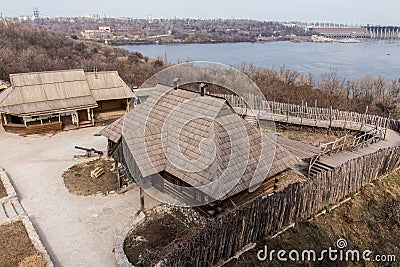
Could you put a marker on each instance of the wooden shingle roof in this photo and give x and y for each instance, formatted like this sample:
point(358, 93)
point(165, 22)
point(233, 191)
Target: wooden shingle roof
point(197, 139)
point(107, 85)
point(43, 92)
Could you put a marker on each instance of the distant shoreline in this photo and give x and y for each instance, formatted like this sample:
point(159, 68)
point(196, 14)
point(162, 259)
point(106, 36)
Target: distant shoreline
point(132, 42)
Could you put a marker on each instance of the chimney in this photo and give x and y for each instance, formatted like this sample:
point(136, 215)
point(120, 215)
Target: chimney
point(176, 81)
point(202, 87)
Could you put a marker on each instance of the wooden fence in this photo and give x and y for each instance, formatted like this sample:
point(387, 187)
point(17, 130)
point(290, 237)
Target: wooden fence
point(222, 237)
point(313, 112)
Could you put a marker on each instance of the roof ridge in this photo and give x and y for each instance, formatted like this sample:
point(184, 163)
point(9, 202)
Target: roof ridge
point(100, 72)
point(47, 71)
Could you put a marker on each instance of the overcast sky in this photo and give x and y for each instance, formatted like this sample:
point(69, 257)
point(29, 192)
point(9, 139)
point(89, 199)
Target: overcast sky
point(354, 11)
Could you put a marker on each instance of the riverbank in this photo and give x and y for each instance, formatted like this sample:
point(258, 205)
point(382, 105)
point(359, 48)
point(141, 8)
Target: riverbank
point(169, 41)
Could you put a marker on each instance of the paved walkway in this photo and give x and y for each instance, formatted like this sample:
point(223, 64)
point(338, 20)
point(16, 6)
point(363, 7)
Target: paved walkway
point(76, 231)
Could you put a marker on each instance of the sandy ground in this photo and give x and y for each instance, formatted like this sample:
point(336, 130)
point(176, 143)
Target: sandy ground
point(76, 230)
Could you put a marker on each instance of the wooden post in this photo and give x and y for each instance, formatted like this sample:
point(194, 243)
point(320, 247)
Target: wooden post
point(5, 119)
point(301, 114)
point(306, 111)
point(363, 119)
point(386, 124)
point(287, 112)
point(127, 105)
point(77, 118)
point(118, 176)
point(24, 119)
point(92, 117)
point(315, 112)
point(330, 118)
point(59, 117)
point(141, 199)
point(41, 120)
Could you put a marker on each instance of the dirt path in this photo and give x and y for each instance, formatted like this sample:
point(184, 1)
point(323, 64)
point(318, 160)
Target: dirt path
point(76, 230)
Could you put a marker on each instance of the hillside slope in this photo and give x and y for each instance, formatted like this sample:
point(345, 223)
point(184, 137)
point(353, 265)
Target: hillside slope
point(370, 221)
point(28, 49)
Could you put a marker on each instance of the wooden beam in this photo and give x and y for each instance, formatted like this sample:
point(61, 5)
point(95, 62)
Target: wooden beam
point(92, 117)
point(118, 176)
point(127, 105)
point(5, 119)
point(141, 198)
point(77, 118)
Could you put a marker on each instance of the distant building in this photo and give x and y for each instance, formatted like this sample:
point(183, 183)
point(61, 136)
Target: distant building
point(105, 28)
point(53, 100)
point(344, 32)
point(102, 33)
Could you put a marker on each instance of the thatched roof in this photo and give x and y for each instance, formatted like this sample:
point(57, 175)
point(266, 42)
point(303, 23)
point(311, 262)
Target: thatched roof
point(107, 85)
point(179, 131)
point(45, 92)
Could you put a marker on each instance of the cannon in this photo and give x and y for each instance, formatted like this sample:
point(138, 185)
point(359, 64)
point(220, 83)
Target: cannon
point(90, 150)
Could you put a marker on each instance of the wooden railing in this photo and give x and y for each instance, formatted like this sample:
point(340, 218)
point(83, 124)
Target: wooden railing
point(341, 143)
point(305, 111)
point(368, 138)
point(328, 148)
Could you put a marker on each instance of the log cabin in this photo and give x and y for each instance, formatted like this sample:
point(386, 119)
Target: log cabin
point(179, 141)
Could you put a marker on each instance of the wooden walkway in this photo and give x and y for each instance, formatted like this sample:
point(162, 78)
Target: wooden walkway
point(335, 159)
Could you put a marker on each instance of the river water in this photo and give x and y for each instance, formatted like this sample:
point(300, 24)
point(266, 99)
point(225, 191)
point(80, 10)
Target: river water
point(349, 60)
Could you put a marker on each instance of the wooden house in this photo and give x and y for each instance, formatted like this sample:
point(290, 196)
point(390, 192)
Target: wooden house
point(52, 100)
point(109, 90)
point(150, 148)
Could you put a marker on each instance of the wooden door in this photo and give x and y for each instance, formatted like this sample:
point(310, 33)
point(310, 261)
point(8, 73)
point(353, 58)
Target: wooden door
point(83, 115)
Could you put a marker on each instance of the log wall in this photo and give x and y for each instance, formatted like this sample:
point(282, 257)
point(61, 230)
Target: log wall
point(33, 129)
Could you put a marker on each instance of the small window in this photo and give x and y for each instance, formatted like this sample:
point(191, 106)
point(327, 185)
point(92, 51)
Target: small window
point(198, 195)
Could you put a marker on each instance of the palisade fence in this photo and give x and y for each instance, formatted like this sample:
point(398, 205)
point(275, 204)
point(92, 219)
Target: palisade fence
point(222, 237)
point(305, 111)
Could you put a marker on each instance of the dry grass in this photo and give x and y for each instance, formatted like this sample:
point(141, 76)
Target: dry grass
point(33, 261)
point(370, 221)
point(16, 249)
point(314, 139)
